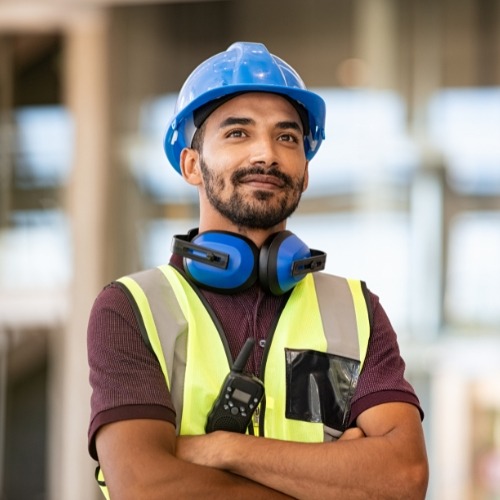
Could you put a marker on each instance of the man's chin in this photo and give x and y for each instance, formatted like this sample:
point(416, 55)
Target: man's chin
point(264, 194)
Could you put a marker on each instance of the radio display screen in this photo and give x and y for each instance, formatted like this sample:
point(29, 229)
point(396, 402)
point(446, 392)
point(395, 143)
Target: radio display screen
point(241, 396)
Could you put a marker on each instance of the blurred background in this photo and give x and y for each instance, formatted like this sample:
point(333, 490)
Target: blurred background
point(404, 193)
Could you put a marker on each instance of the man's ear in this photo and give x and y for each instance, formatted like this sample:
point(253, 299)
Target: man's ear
point(190, 166)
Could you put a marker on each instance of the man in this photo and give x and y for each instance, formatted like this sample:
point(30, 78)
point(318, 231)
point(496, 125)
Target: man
point(338, 419)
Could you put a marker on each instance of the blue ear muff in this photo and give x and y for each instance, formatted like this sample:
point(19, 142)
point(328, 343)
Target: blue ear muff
point(219, 260)
point(227, 262)
point(284, 260)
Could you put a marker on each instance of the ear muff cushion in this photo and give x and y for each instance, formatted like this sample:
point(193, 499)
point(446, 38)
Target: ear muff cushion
point(277, 255)
point(241, 271)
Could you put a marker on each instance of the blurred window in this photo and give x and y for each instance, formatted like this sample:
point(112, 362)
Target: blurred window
point(35, 249)
point(472, 298)
point(44, 146)
point(35, 252)
point(465, 126)
point(147, 160)
point(366, 143)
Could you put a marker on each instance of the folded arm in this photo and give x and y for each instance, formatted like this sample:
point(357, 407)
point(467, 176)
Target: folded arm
point(390, 462)
point(138, 461)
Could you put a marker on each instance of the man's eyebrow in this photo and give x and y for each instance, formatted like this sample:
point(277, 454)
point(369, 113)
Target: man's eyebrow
point(283, 125)
point(289, 125)
point(235, 120)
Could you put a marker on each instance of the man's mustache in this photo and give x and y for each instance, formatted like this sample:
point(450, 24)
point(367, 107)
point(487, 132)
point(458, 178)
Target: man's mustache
point(275, 172)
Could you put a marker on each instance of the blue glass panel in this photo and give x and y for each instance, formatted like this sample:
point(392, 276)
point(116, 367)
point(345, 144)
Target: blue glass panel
point(464, 125)
point(44, 146)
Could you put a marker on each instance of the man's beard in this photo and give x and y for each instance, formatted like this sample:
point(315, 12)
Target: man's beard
point(252, 214)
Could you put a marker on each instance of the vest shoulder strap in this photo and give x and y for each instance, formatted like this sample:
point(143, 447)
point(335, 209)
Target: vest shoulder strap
point(158, 313)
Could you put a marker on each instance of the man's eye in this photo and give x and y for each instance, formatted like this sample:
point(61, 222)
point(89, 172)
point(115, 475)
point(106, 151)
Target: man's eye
point(288, 138)
point(236, 133)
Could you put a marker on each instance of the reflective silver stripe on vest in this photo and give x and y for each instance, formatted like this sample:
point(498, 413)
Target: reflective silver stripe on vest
point(172, 328)
point(340, 327)
point(339, 322)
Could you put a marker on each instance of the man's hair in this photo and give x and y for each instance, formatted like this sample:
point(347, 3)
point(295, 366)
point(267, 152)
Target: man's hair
point(197, 142)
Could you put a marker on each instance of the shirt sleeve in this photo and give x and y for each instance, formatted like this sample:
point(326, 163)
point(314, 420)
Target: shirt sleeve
point(382, 379)
point(125, 376)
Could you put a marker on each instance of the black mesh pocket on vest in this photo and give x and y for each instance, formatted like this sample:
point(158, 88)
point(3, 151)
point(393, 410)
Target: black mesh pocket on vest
point(319, 387)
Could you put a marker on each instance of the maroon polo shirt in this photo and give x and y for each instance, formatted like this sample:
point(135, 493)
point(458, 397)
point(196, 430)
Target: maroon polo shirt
point(127, 381)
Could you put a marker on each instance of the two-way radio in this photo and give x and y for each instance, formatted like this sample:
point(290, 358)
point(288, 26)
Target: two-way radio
point(238, 398)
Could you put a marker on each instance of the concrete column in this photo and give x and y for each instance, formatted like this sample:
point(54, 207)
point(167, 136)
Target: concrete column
point(87, 85)
point(427, 252)
point(6, 93)
point(376, 41)
point(451, 436)
point(428, 189)
point(426, 70)
point(4, 346)
point(375, 44)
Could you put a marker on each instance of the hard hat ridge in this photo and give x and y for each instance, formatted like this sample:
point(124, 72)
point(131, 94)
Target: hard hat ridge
point(243, 67)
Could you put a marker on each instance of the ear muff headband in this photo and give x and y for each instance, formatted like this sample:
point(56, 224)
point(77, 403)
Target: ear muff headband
point(227, 262)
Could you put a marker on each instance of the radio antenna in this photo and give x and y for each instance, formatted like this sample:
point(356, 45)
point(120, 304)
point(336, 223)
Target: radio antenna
point(242, 358)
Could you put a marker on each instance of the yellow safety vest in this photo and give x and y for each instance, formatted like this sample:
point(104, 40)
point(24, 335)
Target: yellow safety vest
point(324, 313)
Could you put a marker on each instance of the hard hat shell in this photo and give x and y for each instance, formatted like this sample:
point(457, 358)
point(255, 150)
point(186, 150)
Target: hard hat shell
point(243, 67)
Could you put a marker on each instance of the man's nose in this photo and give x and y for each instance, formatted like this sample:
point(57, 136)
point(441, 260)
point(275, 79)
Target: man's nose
point(264, 152)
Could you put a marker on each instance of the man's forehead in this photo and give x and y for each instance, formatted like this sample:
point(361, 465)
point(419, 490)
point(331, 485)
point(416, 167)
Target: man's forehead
point(255, 104)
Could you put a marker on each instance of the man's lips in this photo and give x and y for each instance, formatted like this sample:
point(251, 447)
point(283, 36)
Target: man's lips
point(262, 179)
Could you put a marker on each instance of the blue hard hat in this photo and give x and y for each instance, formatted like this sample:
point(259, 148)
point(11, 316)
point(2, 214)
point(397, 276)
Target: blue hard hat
point(243, 67)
